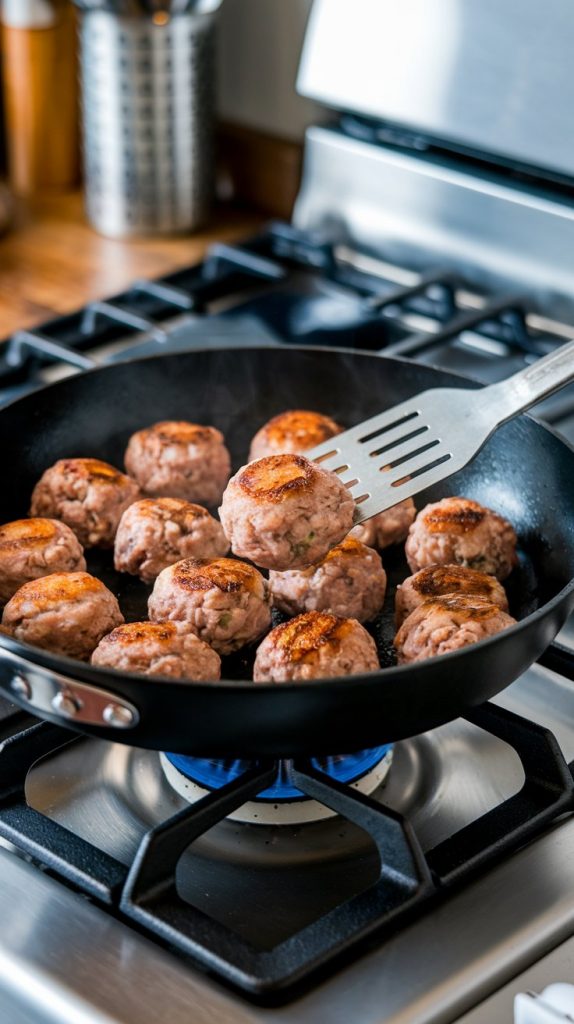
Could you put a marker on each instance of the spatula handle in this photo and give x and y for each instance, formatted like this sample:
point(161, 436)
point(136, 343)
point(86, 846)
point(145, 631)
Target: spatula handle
point(538, 381)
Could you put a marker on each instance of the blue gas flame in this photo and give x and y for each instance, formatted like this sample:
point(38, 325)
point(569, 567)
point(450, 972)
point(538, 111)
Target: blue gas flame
point(211, 773)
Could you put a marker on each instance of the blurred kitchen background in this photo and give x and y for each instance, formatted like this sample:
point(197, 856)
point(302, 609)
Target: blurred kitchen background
point(58, 251)
point(260, 119)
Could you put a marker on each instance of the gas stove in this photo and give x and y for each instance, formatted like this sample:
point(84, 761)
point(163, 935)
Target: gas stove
point(97, 827)
point(429, 882)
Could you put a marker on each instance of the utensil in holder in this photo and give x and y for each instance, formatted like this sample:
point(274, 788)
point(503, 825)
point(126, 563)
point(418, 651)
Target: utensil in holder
point(148, 98)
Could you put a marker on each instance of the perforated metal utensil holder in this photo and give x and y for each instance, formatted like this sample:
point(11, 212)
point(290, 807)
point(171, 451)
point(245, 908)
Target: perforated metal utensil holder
point(148, 121)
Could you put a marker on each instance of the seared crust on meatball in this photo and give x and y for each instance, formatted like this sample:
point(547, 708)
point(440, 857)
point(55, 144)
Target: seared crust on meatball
point(86, 494)
point(350, 581)
point(66, 612)
point(284, 511)
point(176, 459)
point(458, 530)
point(440, 580)
point(223, 601)
point(157, 532)
point(297, 430)
point(389, 527)
point(446, 624)
point(315, 646)
point(157, 649)
point(30, 548)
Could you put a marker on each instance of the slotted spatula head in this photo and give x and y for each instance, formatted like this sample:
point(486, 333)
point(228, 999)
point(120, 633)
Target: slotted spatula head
point(402, 451)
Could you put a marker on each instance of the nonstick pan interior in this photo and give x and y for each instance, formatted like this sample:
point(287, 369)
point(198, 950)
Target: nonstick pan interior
point(523, 473)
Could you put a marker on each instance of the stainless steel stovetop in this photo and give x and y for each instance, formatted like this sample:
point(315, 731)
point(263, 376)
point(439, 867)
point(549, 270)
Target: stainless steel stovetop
point(64, 959)
point(435, 221)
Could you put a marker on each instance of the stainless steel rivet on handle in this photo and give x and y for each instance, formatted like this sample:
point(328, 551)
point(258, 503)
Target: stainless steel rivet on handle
point(21, 687)
point(65, 704)
point(118, 716)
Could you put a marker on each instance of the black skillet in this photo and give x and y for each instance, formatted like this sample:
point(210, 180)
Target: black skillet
point(525, 472)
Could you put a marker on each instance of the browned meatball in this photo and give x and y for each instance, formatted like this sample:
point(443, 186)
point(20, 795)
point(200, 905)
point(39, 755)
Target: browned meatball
point(175, 459)
point(66, 612)
point(157, 649)
point(350, 581)
point(439, 580)
point(446, 624)
point(295, 431)
point(225, 602)
point(30, 548)
point(462, 532)
point(389, 527)
point(157, 532)
point(86, 494)
point(284, 511)
point(315, 646)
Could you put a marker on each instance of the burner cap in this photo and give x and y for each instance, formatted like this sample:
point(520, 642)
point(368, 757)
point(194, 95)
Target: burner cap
point(281, 803)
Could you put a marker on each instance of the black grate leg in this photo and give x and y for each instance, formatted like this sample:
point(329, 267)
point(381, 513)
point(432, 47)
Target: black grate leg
point(402, 862)
point(53, 846)
point(548, 790)
point(150, 895)
point(158, 855)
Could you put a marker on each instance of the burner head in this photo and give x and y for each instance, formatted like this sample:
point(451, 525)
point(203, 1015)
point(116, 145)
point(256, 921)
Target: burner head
point(281, 803)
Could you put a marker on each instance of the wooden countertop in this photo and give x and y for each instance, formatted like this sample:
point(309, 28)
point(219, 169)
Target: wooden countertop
point(52, 262)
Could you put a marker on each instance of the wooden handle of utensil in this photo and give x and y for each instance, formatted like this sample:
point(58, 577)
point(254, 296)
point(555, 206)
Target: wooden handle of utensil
point(41, 102)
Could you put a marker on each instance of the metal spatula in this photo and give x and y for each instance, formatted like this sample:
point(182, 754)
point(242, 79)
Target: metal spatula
point(402, 451)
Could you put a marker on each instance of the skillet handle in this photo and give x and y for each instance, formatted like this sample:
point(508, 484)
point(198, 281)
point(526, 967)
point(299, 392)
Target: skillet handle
point(43, 691)
point(537, 381)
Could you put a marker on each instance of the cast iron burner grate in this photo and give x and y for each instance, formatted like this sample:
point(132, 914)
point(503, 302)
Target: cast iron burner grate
point(146, 893)
point(289, 286)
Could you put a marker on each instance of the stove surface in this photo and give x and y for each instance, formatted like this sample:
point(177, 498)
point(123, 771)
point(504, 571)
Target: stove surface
point(111, 795)
point(55, 946)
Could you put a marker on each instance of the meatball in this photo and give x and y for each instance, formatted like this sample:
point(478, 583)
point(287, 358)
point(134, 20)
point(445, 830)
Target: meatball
point(439, 580)
point(30, 548)
point(86, 494)
point(66, 612)
point(314, 646)
point(446, 624)
point(157, 532)
point(389, 527)
point(157, 649)
point(223, 601)
point(175, 459)
point(460, 531)
point(284, 511)
point(350, 581)
point(293, 431)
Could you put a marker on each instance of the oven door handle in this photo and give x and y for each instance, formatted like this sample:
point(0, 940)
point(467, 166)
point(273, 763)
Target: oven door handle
point(48, 692)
